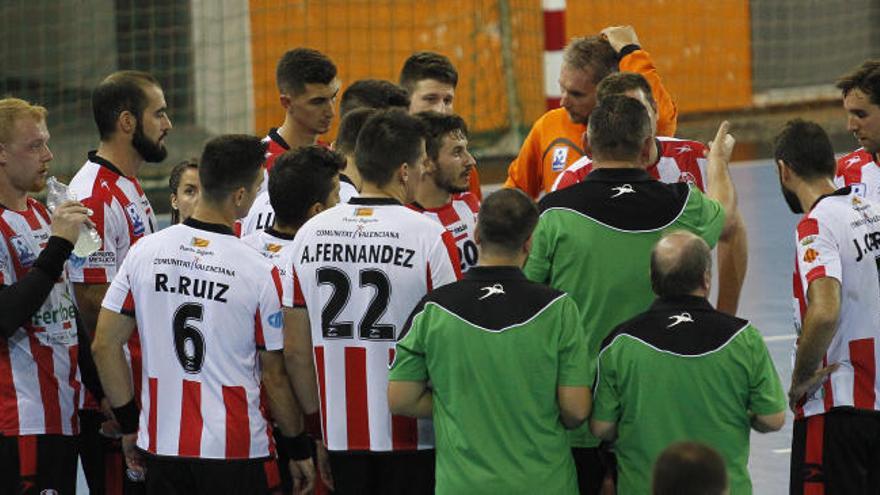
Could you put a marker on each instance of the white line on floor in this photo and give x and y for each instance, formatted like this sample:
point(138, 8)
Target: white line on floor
point(779, 338)
point(782, 451)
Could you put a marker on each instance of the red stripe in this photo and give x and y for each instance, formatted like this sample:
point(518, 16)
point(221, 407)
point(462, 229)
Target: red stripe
point(191, 419)
point(273, 477)
point(552, 102)
point(813, 454)
point(153, 383)
point(807, 226)
point(430, 282)
point(828, 396)
point(73, 382)
point(258, 330)
point(799, 289)
point(41, 210)
point(31, 218)
point(322, 386)
point(94, 276)
point(8, 397)
point(48, 383)
point(137, 364)
point(128, 304)
point(8, 234)
point(452, 250)
point(299, 300)
point(113, 475)
point(404, 430)
point(815, 273)
point(357, 407)
point(276, 278)
point(238, 430)
point(861, 354)
point(448, 215)
point(554, 30)
point(471, 201)
point(27, 455)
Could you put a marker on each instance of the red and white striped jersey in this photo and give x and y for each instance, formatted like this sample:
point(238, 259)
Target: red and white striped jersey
point(269, 243)
point(861, 171)
point(39, 377)
point(360, 269)
point(840, 238)
point(204, 303)
point(459, 216)
point(275, 146)
point(122, 215)
point(679, 160)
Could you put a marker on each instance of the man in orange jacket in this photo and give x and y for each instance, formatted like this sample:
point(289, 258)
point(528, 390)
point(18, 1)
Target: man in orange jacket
point(557, 137)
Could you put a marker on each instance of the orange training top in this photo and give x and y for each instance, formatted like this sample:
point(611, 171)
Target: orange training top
point(555, 142)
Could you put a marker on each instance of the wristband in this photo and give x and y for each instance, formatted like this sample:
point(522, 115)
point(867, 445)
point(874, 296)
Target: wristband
point(313, 425)
point(298, 448)
point(628, 49)
point(127, 417)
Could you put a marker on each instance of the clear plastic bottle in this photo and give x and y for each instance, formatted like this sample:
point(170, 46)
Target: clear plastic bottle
point(88, 241)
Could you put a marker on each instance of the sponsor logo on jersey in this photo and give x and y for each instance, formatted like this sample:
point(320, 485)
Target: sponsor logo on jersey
point(810, 255)
point(137, 224)
point(102, 258)
point(76, 261)
point(683, 149)
point(199, 242)
point(621, 190)
point(26, 255)
point(272, 247)
point(682, 318)
point(560, 159)
point(491, 290)
point(853, 160)
point(687, 177)
point(859, 189)
point(363, 212)
point(806, 241)
point(276, 320)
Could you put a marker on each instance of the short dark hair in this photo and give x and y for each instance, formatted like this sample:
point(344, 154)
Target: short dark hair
point(349, 128)
point(299, 179)
point(229, 162)
point(507, 219)
point(689, 468)
point(618, 128)
point(388, 139)
point(119, 92)
point(592, 53)
point(437, 126)
point(683, 272)
point(622, 82)
point(865, 77)
point(302, 66)
point(372, 93)
point(806, 149)
point(427, 65)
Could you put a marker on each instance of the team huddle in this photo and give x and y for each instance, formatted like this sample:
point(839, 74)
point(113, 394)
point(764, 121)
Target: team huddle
point(354, 317)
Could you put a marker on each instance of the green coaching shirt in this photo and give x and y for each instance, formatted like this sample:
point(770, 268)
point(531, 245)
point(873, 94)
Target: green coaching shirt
point(594, 241)
point(684, 372)
point(495, 348)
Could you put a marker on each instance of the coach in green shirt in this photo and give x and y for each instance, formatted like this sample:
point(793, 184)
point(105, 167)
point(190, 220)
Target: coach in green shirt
point(684, 371)
point(507, 364)
point(593, 239)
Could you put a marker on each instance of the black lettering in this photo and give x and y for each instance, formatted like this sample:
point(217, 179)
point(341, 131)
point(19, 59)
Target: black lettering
point(408, 262)
point(161, 281)
point(199, 288)
point(859, 250)
point(305, 255)
point(350, 253)
point(387, 254)
point(362, 254)
point(337, 253)
point(222, 290)
point(398, 255)
point(183, 285)
point(375, 253)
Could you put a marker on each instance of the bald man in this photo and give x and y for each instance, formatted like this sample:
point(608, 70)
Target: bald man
point(690, 468)
point(710, 373)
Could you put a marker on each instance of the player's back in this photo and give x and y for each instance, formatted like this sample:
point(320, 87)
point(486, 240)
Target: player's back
point(360, 269)
point(840, 238)
point(203, 301)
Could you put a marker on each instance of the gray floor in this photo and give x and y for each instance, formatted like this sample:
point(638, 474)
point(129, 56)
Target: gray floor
point(766, 301)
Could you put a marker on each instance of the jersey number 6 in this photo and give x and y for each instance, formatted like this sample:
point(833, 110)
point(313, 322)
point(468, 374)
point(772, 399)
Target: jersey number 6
point(189, 344)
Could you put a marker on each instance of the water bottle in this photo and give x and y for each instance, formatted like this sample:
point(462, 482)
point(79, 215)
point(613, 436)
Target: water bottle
point(88, 241)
